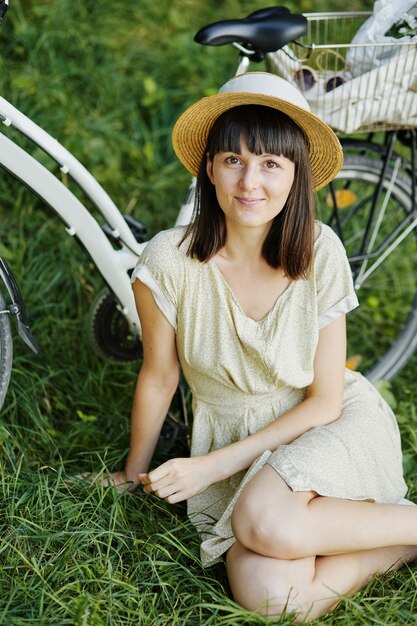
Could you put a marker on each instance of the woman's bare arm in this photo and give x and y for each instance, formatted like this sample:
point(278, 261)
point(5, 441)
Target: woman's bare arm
point(156, 385)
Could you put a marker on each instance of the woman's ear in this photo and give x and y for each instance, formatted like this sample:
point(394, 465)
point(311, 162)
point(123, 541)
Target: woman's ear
point(209, 168)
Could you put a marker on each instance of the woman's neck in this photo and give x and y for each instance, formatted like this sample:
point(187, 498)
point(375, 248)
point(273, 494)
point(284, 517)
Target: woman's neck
point(243, 244)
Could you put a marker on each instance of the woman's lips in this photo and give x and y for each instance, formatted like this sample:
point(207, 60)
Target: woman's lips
point(249, 201)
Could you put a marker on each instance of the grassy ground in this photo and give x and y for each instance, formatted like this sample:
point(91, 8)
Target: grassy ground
point(109, 79)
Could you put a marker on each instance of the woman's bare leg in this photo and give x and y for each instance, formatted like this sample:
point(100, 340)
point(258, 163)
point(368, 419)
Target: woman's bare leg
point(309, 586)
point(299, 524)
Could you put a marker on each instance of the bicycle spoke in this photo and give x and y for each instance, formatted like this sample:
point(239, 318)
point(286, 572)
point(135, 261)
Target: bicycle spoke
point(362, 277)
point(362, 272)
point(379, 231)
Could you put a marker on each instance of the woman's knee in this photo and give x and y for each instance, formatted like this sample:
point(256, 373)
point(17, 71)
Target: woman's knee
point(250, 527)
point(271, 530)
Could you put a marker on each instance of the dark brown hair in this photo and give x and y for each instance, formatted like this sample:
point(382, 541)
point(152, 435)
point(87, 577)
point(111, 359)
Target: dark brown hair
point(289, 243)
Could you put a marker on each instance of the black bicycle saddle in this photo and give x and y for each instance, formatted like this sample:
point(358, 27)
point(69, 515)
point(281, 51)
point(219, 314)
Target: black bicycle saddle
point(265, 30)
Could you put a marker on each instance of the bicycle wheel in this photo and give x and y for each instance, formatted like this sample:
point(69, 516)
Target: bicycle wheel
point(382, 332)
point(6, 350)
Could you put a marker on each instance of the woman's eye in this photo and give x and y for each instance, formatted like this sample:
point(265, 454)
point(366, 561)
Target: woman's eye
point(232, 160)
point(271, 165)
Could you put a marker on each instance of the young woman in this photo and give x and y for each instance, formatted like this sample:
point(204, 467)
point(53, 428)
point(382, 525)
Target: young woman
point(295, 475)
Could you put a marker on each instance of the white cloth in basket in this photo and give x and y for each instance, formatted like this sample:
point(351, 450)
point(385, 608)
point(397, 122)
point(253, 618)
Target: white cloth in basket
point(387, 94)
point(373, 31)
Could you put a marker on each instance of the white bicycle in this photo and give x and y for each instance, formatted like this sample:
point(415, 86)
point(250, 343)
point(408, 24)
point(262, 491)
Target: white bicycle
point(372, 177)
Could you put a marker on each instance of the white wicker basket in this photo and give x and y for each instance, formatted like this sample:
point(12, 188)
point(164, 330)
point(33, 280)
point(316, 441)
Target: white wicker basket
point(331, 72)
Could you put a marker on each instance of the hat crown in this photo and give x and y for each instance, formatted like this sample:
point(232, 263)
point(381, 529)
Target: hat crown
point(267, 85)
point(192, 129)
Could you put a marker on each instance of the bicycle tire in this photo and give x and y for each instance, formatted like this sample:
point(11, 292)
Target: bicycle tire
point(382, 333)
point(6, 351)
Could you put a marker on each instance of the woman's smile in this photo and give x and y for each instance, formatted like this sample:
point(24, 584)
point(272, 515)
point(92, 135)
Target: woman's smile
point(249, 201)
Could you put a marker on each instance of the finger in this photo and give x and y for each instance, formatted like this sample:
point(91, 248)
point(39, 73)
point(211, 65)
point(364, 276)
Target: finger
point(157, 486)
point(179, 496)
point(84, 476)
point(146, 479)
point(161, 471)
point(165, 492)
point(110, 481)
point(145, 482)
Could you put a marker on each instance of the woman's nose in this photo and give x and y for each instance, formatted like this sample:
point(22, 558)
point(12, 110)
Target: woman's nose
point(249, 178)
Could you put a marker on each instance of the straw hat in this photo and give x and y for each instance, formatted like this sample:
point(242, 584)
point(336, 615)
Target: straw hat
point(190, 133)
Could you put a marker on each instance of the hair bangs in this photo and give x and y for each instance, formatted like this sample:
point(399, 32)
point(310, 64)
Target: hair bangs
point(265, 131)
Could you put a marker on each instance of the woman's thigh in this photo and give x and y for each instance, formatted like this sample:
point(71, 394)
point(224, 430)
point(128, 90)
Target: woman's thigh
point(268, 488)
point(269, 586)
point(309, 586)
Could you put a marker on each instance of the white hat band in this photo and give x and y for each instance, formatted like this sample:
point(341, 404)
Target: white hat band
point(267, 85)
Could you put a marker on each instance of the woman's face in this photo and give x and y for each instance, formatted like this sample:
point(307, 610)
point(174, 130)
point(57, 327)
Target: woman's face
point(251, 189)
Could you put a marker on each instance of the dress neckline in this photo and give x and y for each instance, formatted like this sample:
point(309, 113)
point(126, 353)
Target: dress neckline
point(212, 263)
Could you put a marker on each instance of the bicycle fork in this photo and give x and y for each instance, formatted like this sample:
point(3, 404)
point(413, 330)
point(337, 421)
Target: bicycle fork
point(17, 307)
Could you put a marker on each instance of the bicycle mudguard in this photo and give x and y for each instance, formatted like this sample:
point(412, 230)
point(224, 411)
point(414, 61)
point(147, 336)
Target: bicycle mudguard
point(17, 307)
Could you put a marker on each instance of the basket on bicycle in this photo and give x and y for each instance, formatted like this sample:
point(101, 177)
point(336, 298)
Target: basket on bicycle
point(354, 87)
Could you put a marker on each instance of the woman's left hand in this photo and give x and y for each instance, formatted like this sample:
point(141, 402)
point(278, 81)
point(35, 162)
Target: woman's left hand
point(179, 479)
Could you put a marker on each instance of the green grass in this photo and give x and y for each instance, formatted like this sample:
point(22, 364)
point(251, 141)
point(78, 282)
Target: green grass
point(109, 79)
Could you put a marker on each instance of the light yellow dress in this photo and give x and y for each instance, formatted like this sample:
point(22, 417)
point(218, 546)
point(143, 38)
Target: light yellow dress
point(244, 374)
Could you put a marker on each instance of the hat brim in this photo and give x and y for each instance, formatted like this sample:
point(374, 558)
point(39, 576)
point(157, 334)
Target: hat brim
point(190, 133)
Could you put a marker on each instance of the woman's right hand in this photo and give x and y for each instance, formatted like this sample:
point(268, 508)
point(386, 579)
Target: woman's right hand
point(114, 479)
point(120, 481)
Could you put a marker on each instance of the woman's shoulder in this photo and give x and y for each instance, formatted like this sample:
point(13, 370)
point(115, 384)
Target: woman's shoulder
point(330, 261)
point(327, 241)
point(170, 237)
point(166, 244)
point(163, 259)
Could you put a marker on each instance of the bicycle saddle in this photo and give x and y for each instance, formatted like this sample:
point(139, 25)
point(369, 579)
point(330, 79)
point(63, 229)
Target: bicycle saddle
point(265, 30)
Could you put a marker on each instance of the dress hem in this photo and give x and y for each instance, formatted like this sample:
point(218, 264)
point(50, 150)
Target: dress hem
point(297, 481)
point(222, 538)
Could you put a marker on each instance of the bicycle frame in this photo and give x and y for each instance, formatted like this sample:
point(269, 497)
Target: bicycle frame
point(113, 264)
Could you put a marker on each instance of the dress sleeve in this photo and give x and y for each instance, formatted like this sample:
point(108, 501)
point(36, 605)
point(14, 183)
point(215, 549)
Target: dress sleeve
point(159, 268)
point(334, 285)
